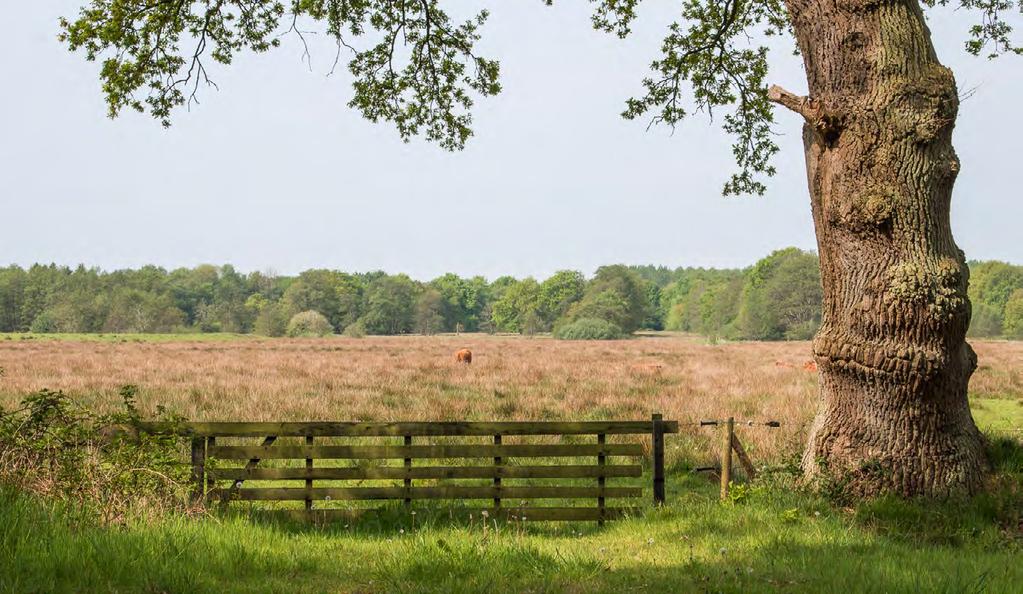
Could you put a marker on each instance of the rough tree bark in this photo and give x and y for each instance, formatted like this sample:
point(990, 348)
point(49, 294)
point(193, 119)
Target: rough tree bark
point(893, 360)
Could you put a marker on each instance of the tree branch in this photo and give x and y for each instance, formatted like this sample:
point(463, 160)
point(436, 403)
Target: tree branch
point(804, 106)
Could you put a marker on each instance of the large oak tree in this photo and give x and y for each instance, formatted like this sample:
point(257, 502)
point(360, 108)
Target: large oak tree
point(894, 364)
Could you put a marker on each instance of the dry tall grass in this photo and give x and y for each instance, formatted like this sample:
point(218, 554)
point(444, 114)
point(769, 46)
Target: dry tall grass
point(416, 378)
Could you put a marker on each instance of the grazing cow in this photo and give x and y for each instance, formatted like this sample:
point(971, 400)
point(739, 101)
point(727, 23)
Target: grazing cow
point(463, 356)
point(810, 366)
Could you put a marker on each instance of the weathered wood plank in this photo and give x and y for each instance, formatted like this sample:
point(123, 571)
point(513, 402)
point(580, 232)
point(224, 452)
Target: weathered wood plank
point(252, 463)
point(423, 451)
point(527, 514)
point(440, 492)
point(428, 472)
point(744, 460)
point(440, 428)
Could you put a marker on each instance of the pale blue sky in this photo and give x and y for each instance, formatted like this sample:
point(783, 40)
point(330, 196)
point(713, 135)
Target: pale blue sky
point(273, 171)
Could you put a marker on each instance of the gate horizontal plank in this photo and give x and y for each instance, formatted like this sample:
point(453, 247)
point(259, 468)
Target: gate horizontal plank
point(440, 492)
point(354, 429)
point(527, 514)
point(427, 472)
point(423, 451)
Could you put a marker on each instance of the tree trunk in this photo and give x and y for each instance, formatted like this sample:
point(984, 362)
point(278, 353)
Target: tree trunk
point(893, 360)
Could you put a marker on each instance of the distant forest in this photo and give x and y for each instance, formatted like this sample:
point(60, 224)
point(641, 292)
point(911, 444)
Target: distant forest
point(778, 298)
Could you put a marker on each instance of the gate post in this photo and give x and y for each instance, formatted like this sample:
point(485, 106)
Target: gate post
point(198, 468)
point(657, 438)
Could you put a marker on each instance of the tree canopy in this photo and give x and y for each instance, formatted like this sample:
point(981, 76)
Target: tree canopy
point(778, 298)
point(414, 65)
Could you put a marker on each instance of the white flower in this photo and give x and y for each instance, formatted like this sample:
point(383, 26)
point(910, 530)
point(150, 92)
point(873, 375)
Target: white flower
point(650, 541)
point(722, 550)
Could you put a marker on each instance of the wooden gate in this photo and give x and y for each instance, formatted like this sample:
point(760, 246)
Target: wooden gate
point(503, 459)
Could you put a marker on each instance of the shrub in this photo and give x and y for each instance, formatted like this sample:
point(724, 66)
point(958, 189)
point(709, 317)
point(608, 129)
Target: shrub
point(356, 329)
point(1013, 319)
point(45, 323)
point(272, 320)
point(588, 329)
point(309, 323)
point(100, 464)
point(802, 330)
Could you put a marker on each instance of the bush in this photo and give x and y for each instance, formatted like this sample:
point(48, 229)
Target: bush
point(102, 464)
point(45, 323)
point(356, 329)
point(802, 330)
point(1013, 319)
point(309, 323)
point(272, 320)
point(588, 329)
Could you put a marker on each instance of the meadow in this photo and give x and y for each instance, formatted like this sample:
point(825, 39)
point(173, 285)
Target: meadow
point(413, 378)
point(769, 536)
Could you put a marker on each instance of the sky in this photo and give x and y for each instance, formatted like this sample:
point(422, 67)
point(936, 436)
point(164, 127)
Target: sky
point(273, 171)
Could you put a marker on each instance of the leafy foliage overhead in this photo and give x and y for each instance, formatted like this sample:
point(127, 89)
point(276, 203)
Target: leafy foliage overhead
point(415, 66)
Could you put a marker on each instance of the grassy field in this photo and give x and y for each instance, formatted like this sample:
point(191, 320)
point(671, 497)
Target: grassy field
point(226, 377)
point(772, 537)
point(773, 540)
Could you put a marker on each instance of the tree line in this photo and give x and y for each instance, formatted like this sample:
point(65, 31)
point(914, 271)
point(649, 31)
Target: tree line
point(778, 298)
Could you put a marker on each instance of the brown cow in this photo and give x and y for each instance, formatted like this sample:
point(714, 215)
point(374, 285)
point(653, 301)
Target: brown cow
point(463, 356)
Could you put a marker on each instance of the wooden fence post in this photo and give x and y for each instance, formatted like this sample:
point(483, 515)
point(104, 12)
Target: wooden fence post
point(601, 482)
point(408, 469)
point(726, 457)
point(198, 468)
point(657, 438)
point(309, 481)
point(497, 479)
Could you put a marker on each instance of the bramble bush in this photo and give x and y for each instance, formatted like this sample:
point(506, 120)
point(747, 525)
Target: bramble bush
point(99, 464)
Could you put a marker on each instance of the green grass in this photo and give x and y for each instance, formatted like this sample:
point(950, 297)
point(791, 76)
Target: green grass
point(998, 415)
point(190, 336)
point(772, 539)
